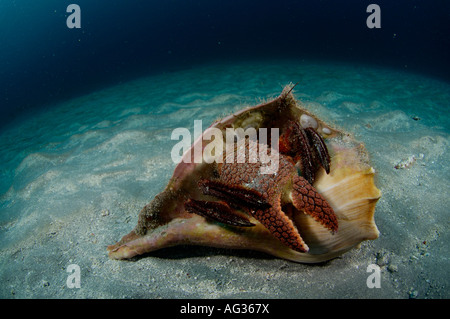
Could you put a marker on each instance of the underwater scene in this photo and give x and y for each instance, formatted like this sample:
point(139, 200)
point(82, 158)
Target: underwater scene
point(120, 141)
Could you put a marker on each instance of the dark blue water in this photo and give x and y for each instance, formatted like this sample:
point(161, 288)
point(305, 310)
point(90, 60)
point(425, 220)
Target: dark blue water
point(43, 62)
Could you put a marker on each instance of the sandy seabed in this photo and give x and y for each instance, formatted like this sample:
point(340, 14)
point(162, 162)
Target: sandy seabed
point(74, 178)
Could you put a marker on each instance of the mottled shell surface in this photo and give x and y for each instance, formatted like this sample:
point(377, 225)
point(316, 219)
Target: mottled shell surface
point(349, 188)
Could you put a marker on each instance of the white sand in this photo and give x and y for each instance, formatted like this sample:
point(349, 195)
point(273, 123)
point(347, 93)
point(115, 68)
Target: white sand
point(74, 178)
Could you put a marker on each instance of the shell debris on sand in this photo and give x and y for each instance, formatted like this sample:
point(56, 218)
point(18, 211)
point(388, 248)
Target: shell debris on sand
point(407, 163)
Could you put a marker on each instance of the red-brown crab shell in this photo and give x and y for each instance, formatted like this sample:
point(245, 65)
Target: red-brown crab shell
point(349, 188)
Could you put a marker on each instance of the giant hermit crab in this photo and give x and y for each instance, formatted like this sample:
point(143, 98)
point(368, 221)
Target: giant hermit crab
point(313, 208)
point(243, 186)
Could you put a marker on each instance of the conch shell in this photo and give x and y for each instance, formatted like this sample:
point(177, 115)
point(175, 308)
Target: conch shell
point(348, 188)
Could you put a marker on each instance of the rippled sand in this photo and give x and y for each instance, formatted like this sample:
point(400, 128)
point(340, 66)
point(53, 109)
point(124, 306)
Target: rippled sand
point(73, 179)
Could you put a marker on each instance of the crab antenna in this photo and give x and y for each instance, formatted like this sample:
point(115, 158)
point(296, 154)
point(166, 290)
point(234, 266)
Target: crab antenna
point(292, 88)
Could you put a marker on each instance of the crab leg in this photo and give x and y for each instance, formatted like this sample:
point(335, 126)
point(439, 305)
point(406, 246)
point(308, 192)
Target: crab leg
point(320, 148)
point(218, 211)
point(281, 226)
point(305, 197)
point(301, 147)
point(234, 194)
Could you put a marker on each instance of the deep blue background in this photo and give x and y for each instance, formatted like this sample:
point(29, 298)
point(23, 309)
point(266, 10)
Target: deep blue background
point(43, 62)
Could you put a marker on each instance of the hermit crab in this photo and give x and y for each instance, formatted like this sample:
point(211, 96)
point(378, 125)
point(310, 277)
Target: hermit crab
point(305, 192)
